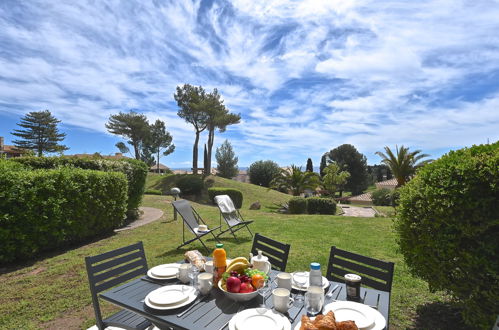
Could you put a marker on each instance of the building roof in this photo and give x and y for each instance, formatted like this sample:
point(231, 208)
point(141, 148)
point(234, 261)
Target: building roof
point(392, 182)
point(366, 197)
point(161, 167)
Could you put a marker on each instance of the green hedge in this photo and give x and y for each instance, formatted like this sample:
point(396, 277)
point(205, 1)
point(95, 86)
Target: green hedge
point(135, 171)
point(153, 192)
point(234, 194)
point(381, 197)
point(321, 205)
point(297, 205)
point(448, 224)
point(191, 184)
point(45, 209)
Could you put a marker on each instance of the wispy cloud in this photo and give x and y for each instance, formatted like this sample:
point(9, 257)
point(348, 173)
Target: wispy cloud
point(306, 76)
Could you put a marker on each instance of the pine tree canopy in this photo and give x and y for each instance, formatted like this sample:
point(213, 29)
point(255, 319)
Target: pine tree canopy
point(40, 134)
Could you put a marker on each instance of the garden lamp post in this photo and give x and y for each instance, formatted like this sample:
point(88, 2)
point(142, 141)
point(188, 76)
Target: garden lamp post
point(175, 192)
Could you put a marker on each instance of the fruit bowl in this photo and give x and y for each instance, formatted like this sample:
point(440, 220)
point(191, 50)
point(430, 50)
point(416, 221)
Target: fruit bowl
point(238, 296)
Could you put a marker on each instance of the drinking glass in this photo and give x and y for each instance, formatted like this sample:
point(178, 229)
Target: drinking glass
point(193, 275)
point(263, 290)
point(301, 280)
point(314, 300)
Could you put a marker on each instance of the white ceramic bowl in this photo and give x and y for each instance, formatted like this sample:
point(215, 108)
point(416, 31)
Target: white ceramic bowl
point(238, 296)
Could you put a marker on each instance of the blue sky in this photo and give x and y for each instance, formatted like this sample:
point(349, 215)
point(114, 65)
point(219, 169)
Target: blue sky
point(306, 76)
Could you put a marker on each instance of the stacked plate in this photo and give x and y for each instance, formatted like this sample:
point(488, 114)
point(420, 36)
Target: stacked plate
point(170, 297)
point(300, 281)
point(365, 317)
point(164, 272)
point(259, 318)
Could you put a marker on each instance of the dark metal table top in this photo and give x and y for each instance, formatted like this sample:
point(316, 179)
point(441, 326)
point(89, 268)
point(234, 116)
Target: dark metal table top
point(215, 310)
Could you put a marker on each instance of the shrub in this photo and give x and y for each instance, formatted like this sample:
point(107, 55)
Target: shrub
point(46, 209)
point(381, 197)
point(234, 194)
point(153, 192)
point(135, 171)
point(448, 222)
point(320, 205)
point(262, 172)
point(297, 205)
point(394, 197)
point(190, 184)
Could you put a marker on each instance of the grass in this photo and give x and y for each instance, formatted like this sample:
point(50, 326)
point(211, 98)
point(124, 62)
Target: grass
point(52, 291)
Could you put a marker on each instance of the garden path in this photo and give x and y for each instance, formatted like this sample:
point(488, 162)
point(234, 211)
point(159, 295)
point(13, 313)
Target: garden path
point(149, 214)
point(356, 211)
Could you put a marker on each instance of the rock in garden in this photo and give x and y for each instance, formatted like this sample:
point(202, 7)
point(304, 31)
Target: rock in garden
point(255, 206)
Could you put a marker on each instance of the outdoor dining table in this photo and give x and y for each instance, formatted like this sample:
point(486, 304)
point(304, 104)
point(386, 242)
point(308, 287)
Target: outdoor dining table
point(215, 310)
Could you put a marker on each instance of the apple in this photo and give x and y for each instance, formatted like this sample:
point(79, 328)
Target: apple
point(246, 288)
point(233, 284)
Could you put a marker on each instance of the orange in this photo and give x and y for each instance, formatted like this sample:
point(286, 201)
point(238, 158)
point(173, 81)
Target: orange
point(257, 280)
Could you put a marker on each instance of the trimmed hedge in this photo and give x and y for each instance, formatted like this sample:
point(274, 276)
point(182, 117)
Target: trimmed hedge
point(448, 224)
point(45, 209)
point(234, 194)
point(191, 184)
point(297, 205)
point(153, 192)
point(320, 205)
point(135, 171)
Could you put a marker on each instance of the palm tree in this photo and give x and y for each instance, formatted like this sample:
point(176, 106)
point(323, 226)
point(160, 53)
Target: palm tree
point(404, 164)
point(295, 180)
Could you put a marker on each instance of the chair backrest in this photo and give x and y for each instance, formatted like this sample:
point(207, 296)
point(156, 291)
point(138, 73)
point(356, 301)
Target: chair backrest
point(185, 210)
point(277, 252)
point(112, 268)
point(225, 204)
point(375, 273)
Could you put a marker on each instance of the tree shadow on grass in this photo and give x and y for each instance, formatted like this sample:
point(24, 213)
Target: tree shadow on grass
point(439, 316)
point(210, 242)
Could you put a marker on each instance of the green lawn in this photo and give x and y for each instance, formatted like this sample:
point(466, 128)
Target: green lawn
point(52, 292)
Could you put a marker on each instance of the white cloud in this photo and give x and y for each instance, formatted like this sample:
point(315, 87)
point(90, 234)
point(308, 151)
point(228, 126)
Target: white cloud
point(305, 75)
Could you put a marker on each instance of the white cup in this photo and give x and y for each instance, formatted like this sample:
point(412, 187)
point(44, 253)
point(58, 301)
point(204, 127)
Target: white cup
point(284, 280)
point(205, 283)
point(208, 266)
point(282, 300)
point(183, 273)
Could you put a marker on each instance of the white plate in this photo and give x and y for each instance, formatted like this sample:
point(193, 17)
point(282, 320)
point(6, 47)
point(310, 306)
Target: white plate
point(166, 268)
point(284, 322)
point(192, 296)
point(169, 295)
point(325, 282)
point(363, 315)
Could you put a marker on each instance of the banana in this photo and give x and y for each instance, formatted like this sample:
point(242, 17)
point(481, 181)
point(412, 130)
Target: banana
point(237, 267)
point(236, 260)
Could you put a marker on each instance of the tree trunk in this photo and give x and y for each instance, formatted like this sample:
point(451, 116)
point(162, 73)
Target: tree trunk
point(211, 139)
point(195, 154)
point(136, 150)
point(157, 165)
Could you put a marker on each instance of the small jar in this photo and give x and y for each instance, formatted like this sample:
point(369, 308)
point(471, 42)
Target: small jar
point(352, 282)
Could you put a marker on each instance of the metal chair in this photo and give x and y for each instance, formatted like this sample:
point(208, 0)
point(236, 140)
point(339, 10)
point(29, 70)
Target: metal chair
point(377, 274)
point(231, 215)
point(192, 219)
point(277, 252)
point(110, 269)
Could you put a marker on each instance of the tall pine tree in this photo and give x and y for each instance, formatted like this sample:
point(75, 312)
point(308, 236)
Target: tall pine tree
point(226, 161)
point(40, 134)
